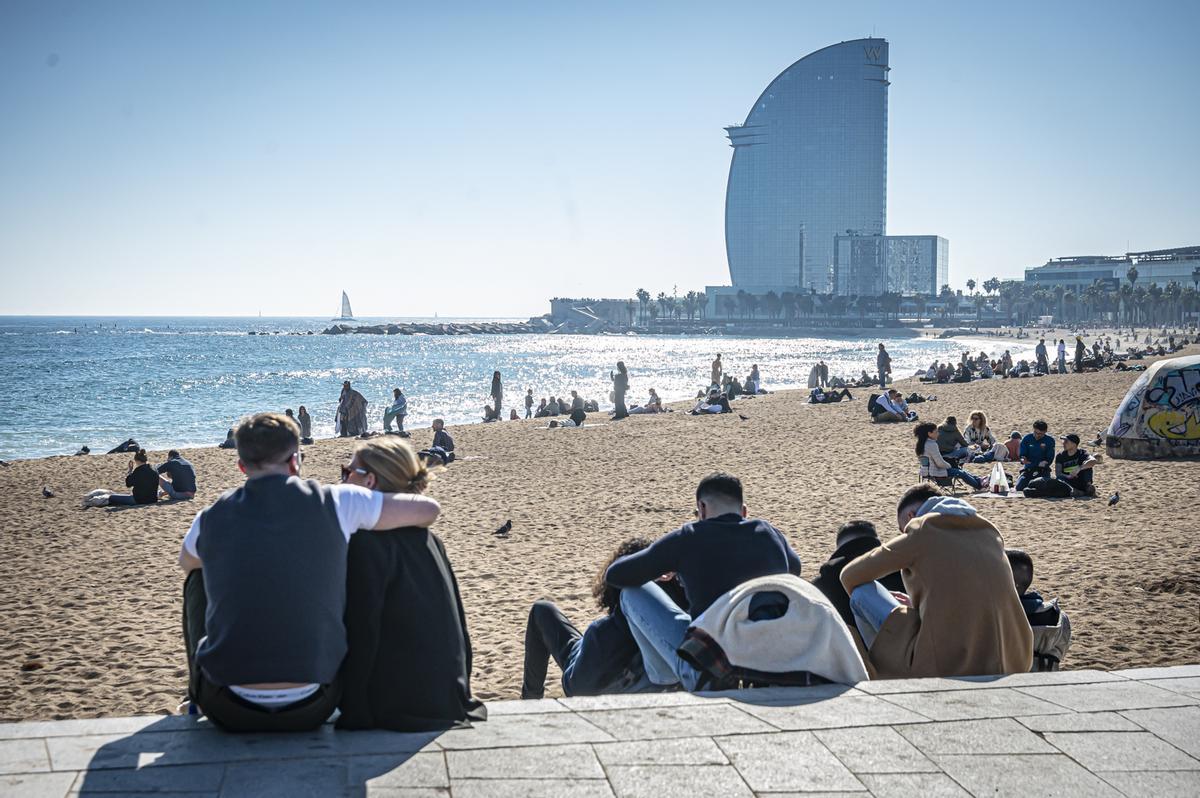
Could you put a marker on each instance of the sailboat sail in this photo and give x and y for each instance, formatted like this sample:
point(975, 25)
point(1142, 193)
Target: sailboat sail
point(346, 312)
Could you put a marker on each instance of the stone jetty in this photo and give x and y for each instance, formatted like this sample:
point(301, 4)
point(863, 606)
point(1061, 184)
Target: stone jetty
point(426, 328)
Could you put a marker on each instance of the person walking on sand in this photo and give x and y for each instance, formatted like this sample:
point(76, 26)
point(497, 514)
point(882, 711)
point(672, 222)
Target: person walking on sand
point(497, 392)
point(397, 412)
point(883, 362)
point(529, 403)
point(1043, 363)
point(620, 387)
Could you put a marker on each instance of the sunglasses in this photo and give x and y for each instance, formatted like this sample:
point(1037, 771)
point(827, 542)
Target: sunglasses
point(347, 471)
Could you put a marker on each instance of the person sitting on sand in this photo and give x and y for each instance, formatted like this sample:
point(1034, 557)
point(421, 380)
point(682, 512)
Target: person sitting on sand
point(854, 539)
point(653, 404)
point(944, 373)
point(305, 422)
point(490, 414)
point(553, 408)
point(754, 380)
point(962, 374)
point(890, 406)
point(229, 442)
point(267, 659)
point(959, 615)
point(931, 373)
point(443, 445)
point(819, 396)
point(716, 402)
point(602, 660)
point(577, 415)
point(397, 411)
point(512, 414)
point(542, 410)
point(986, 370)
point(1036, 453)
point(142, 478)
point(1073, 466)
point(980, 441)
point(714, 554)
point(182, 482)
point(933, 465)
point(402, 598)
point(951, 442)
point(1051, 626)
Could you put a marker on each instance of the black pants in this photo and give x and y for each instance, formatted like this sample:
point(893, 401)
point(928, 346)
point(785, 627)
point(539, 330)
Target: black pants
point(548, 634)
point(620, 410)
point(229, 710)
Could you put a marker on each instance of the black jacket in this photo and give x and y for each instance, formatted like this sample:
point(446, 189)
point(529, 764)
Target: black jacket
point(144, 481)
point(409, 662)
point(829, 581)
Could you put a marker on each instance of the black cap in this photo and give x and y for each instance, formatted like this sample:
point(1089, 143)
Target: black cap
point(1073, 438)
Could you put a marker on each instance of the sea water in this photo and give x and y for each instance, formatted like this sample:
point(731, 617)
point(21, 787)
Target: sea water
point(175, 382)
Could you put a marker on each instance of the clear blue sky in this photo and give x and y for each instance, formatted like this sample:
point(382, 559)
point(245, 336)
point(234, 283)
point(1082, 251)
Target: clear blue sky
point(476, 159)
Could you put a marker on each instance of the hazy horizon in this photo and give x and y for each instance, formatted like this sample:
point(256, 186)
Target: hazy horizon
point(220, 159)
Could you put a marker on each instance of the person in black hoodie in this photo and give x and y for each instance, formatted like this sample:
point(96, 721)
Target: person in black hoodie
point(854, 539)
point(602, 660)
point(142, 478)
point(408, 667)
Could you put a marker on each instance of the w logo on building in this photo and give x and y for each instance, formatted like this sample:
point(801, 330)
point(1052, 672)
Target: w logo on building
point(873, 52)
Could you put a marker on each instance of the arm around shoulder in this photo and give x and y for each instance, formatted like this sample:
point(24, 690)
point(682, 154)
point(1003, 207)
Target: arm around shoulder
point(407, 509)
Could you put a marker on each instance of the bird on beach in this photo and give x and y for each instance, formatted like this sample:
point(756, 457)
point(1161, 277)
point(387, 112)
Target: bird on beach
point(743, 418)
point(1113, 499)
point(503, 531)
point(1098, 440)
point(49, 494)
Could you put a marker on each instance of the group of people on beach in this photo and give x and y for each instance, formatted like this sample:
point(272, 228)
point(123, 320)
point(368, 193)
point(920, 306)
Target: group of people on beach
point(174, 479)
point(359, 584)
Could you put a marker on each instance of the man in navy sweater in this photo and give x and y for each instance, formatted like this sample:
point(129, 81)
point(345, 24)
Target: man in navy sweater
point(1037, 454)
point(711, 556)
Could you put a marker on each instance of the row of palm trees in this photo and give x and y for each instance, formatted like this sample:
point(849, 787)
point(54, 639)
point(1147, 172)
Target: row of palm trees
point(1007, 302)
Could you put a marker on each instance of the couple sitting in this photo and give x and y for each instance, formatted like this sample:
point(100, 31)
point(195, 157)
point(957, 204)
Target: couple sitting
point(889, 407)
point(741, 596)
point(291, 612)
point(146, 482)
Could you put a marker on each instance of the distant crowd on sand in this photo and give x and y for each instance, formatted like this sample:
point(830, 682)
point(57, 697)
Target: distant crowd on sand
point(360, 583)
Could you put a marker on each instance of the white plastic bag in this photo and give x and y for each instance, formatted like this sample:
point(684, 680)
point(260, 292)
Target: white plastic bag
point(998, 481)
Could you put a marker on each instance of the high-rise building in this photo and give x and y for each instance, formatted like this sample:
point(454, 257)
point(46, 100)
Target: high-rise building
point(872, 265)
point(1156, 267)
point(809, 163)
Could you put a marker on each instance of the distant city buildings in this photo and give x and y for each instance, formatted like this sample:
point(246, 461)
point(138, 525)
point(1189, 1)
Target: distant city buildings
point(806, 201)
point(874, 265)
point(1160, 266)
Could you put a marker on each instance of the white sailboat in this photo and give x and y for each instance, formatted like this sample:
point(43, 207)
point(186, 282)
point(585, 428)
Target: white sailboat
point(347, 314)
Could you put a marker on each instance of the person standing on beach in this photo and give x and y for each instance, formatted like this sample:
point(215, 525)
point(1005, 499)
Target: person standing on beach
point(267, 660)
point(621, 386)
point(716, 371)
point(305, 422)
point(351, 412)
point(1062, 356)
point(883, 362)
point(397, 411)
point(1080, 353)
point(529, 403)
point(823, 374)
point(497, 393)
point(1043, 362)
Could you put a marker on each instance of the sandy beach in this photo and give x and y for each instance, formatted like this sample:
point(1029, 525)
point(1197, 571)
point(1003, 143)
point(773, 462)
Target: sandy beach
point(90, 599)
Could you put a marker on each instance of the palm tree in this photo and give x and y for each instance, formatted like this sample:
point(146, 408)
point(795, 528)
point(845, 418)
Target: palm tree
point(754, 302)
point(922, 301)
point(1132, 274)
point(701, 303)
point(643, 297)
point(689, 300)
point(773, 304)
point(743, 301)
point(662, 299)
point(788, 300)
point(730, 305)
point(631, 307)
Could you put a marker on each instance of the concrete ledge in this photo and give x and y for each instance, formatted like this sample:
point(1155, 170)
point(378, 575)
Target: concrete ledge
point(1132, 732)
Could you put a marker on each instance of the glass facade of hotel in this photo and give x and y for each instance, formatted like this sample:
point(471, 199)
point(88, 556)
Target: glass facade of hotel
point(809, 163)
point(908, 265)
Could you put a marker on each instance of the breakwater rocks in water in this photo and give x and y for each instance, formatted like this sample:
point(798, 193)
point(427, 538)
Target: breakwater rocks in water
point(414, 328)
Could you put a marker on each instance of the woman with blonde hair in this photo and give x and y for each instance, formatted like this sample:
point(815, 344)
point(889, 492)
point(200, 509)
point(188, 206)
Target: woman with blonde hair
point(982, 442)
point(408, 667)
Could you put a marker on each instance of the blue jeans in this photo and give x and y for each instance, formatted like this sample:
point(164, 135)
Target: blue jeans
point(1029, 473)
point(966, 476)
point(388, 416)
point(958, 453)
point(871, 604)
point(122, 499)
point(658, 626)
point(986, 457)
point(166, 485)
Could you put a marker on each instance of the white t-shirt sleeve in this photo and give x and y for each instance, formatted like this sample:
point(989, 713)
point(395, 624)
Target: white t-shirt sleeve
point(193, 534)
point(357, 507)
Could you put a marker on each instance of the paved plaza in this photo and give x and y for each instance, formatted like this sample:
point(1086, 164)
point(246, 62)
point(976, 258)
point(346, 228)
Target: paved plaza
point(1085, 733)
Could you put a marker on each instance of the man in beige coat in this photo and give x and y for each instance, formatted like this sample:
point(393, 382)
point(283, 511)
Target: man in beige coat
point(961, 616)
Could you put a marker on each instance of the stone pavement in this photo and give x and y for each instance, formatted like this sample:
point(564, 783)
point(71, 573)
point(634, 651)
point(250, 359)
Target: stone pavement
point(1086, 733)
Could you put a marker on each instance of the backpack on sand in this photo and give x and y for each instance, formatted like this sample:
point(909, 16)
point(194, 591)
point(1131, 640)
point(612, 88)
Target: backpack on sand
point(1047, 488)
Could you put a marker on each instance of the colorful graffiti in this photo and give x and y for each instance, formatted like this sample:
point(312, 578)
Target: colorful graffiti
point(1172, 406)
